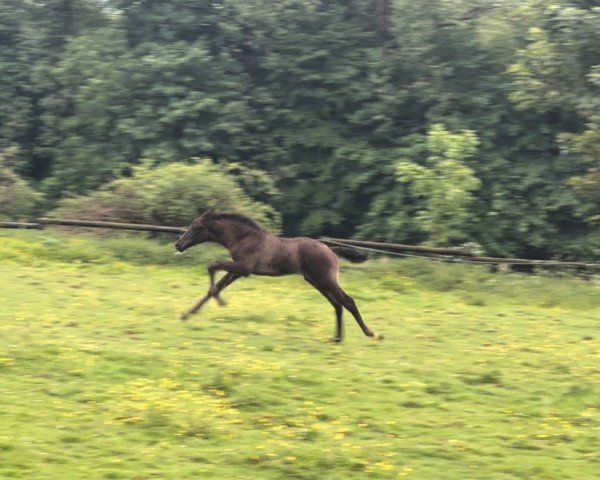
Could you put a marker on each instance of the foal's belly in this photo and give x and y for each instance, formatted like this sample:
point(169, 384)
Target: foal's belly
point(278, 265)
point(284, 260)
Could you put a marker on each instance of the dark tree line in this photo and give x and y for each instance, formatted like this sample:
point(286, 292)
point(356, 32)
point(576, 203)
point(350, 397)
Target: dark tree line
point(437, 121)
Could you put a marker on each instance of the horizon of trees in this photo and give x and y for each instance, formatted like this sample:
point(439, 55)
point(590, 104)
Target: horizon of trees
point(440, 122)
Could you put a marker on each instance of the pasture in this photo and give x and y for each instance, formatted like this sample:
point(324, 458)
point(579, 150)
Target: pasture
point(481, 376)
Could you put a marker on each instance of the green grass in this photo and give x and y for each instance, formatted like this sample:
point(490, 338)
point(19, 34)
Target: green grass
point(481, 376)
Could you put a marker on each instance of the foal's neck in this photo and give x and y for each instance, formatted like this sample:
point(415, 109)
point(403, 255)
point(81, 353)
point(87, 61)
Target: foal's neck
point(229, 234)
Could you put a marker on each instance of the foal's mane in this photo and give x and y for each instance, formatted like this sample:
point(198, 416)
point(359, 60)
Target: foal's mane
point(238, 218)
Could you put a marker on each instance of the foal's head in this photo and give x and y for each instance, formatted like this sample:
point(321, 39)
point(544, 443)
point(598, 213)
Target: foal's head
point(196, 233)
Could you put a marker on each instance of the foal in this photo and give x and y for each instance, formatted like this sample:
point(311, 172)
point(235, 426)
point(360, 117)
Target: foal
point(253, 250)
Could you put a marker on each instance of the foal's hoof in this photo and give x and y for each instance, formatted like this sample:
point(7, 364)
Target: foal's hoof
point(336, 340)
point(378, 336)
point(184, 316)
point(221, 302)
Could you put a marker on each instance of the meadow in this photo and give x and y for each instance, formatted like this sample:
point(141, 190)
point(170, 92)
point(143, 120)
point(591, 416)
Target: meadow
point(481, 376)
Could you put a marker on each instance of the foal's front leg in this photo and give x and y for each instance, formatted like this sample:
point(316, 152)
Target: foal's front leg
point(227, 280)
point(232, 268)
point(234, 271)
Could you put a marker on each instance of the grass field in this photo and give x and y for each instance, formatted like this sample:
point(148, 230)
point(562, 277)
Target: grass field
point(481, 376)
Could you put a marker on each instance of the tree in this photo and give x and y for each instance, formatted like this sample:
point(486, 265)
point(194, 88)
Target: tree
point(18, 200)
point(92, 99)
point(555, 76)
point(444, 184)
point(320, 101)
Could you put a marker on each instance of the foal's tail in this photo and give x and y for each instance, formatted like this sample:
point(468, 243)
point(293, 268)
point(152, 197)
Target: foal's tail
point(349, 253)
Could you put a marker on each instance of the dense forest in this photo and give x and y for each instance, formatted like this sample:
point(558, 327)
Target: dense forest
point(438, 121)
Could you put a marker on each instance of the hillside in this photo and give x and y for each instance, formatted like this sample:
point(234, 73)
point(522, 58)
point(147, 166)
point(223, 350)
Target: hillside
point(481, 376)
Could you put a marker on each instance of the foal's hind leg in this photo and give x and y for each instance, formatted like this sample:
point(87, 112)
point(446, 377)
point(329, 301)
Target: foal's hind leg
point(333, 288)
point(350, 305)
point(339, 327)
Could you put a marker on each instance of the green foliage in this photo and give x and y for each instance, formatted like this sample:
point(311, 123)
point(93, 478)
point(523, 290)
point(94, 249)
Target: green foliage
point(444, 184)
point(171, 194)
point(15, 107)
point(18, 199)
point(86, 112)
point(320, 101)
point(538, 60)
point(257, 184)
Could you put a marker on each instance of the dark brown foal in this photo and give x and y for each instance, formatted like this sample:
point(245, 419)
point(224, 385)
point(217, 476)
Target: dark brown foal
point(253, 250)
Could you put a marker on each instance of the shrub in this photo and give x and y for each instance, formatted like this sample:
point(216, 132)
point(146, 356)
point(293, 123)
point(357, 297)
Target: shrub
point(170, 194)
point(18, 200)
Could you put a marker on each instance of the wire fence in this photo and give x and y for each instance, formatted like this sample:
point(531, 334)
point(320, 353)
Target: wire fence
point(395, 249)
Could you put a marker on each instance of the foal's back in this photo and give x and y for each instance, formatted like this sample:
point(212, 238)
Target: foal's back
point(313, 257)
point(284, 256)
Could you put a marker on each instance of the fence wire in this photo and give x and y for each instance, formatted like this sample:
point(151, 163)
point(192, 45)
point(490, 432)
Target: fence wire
point(448, 255)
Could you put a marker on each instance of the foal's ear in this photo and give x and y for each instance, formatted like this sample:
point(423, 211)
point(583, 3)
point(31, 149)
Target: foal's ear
point(208, 214)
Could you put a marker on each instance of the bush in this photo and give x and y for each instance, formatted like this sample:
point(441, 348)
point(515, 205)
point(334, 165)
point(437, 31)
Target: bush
point(18, 200)
point(168, 195)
